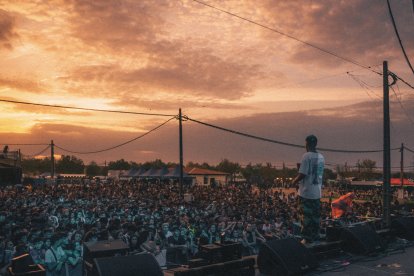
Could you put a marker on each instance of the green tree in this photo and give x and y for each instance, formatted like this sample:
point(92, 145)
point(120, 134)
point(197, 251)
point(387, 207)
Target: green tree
point(119, 165)
point(229, 167)
point(268, 172)
point(33, 166)
point(366, 168)
point(92, 169)
point(252, 173)
point(198, 165)
point(172, 164)
point(134, 165)
point(70, 164)
point(156, 164)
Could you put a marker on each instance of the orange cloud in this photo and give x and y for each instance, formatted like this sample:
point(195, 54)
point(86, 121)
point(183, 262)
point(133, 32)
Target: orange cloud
point(7, 32)
point(21, 84)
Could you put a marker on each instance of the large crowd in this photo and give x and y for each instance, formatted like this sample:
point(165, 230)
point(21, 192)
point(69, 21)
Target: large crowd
point(51, 222)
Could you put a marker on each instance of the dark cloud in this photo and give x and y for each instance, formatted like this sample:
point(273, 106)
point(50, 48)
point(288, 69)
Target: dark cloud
point(7, 32)
point(356, 29)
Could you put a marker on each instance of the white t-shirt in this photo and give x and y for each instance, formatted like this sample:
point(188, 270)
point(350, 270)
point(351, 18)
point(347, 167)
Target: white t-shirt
point(312, 166)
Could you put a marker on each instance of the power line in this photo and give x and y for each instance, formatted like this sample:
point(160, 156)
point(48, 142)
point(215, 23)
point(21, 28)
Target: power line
point(410, 150)
point(23, 144)
point(401, 79)
point(402, 107)
point(88, 109)
point(39, 153)
point(398, 36)
point(290, 36)
point(279, 142)
point(322, 78)
point(365, 86)
point(117, 146)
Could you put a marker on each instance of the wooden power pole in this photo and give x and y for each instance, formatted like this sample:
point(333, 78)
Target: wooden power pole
point(180, 118)
point(52, 159)
point(387, 151)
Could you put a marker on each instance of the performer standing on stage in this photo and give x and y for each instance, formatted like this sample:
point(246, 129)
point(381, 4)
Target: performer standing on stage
point(309, 179)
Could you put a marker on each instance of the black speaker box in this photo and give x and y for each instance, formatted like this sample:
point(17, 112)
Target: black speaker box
point(285, 257)
point(218, 253)
point(21, 264)
point(132, 265)
point(32, 270)
point(403, 227)
point(100, 249)
point(197, 262)
point(333, 233)
point(361, 239)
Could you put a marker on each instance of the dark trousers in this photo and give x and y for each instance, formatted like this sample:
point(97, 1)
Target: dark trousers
point(310, 214)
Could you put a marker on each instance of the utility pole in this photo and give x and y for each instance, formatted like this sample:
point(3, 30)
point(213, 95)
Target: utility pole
point(387, 151)
point(52, 158)
point(180, 118)
point(402, 166)
point(401, 189)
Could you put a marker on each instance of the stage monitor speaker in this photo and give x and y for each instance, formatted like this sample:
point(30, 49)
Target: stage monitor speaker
point(132, 265)
point(33, 270)
point(100, 249)
point(403, 227)
point(218, 253)
point(21, 263)
point(360, 239)
point(285, 257)
point(24, 265)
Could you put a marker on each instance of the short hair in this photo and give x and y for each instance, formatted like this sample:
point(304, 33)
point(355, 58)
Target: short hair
point(312, 140)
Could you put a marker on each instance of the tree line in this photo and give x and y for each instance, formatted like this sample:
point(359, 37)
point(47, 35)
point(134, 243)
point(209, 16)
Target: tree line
point(259, 172)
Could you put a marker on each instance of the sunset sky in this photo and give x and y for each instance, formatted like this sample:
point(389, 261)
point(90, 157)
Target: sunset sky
point(158, 56)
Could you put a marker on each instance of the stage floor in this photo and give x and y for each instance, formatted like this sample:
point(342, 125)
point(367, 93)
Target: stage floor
point(396, 264)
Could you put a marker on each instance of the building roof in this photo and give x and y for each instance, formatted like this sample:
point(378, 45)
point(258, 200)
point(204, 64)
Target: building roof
point(397, 182)
point(199, 171)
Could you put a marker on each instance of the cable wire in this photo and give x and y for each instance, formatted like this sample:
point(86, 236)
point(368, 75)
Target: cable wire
point(39, 153)
point(291, 37)
point(88, 109)
point(398, 36)
point(410, 150)
point(402, 107)
point(280, 142)
point(365, 86)
point(117, 146)
point(322, 78)
point(23, 144)
point(401, 79)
